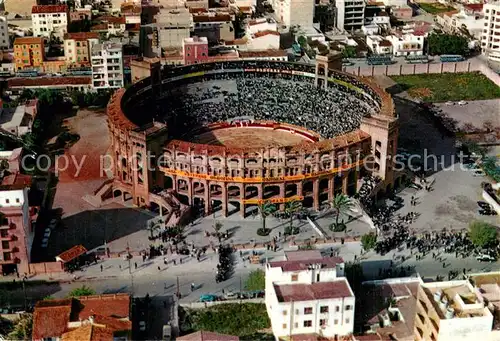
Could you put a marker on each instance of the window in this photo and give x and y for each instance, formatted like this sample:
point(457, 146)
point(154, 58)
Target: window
point(17, 200)
point(323, 309)
point(308, 323)
point(284, 326)
point(322, 322)
point(308, 311)
point(335, 322)
point(285, 312)
point(295, 278)
point(337, 309)
point(348, 307)
point(347, 320)
point(7, 201)
point(5, 245)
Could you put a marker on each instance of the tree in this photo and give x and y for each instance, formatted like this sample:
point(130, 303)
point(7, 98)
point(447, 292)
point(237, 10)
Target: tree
point(302, 41)
point(23, 328)
point(368, 241)
point(440, 43)
point(266, 209)
point(176, 232)
point(340, 204)
point(349, 52)
point(256, 280)
point(482, 234)
point(81, 291)
point(291, 208)
point(152, 227)
point(217, 227)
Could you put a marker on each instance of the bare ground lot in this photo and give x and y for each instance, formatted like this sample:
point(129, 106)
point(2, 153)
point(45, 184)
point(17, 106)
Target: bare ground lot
point(475, 112)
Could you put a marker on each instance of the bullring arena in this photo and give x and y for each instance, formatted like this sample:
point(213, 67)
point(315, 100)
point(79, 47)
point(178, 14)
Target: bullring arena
point(230, 135)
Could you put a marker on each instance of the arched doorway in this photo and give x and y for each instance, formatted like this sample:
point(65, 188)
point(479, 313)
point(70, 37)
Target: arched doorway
point(271, 191)
point(251, 192)
point(233, 191)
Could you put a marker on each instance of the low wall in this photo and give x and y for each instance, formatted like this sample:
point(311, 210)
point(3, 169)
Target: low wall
point(412, 69)
point(201, 305)
point(48, 267)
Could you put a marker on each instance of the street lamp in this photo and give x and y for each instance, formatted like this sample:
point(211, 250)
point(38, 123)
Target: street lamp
point(24, 292)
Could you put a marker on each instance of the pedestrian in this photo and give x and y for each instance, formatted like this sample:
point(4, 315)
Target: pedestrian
point(180, 260)
point(444, 265)
point(192, 286)
point(165, 261)
point(101, 268)
point(120, 267)
point(175, 262)
point(165, 304)
point(159, 269)
point(135, 265)
point(222, 291)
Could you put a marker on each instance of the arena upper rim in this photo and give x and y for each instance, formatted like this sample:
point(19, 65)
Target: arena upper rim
point(121, 115)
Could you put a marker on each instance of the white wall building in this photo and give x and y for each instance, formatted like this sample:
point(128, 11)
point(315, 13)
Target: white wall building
point(47, 19)
point(261, 24)
point(490, 39)
point(107, 66)
point(379, 45)
point(409, 44)
point(264, 40)
point(173, 26)
point(350, 14)
point(307, 294)
point(4, 32)
point(294, 13)
point(456, 22)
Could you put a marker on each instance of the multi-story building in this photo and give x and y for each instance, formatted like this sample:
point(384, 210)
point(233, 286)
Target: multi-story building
point(452, 311)
point(77, 46)
point(263, 40)
point(131, 12)
point(110, 25)
point(29, 52)
point(461, 22)
point(49, 19)
point(379, 45)
point(20, 7)
point(107, 66)
point(214, 25)
point(407, 44)
point(307, 294)
point(294, 13)
point(350, 14)
point(261, 24)
point(143, 67)
point(172, 26)
point(16, 230)
point(195, 50)
point(4, 33)
point(490, 39)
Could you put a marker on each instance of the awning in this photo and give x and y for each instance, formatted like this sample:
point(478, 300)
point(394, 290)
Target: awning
point(71, 254)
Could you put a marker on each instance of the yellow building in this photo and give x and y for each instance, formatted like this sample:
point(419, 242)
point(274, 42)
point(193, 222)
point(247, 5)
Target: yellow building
point(28, 52)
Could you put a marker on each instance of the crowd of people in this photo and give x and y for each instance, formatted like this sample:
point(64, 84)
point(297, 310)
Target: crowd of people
point(185, 103)
point(281, 98)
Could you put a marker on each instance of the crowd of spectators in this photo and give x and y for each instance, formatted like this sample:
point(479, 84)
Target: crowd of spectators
point(283, 98)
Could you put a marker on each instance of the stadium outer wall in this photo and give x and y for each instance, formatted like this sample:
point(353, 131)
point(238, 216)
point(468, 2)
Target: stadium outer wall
point(217, 177)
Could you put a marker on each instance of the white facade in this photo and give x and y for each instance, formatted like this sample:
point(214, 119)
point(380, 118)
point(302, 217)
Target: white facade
point(490, 39)
point(294, 13)
point(267, 40)
point(379, 45)
point(350, 14)
point(454, 23)
point(261, 24)
point(45, 23)
point(107, 66)
point(4, 33)
point(407, 44)
point(173, 26)
point(309, 296)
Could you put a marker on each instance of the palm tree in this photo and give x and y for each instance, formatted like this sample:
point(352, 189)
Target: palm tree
point(266, 209)
point(291, 208)
point(217, 227)
point(341, 203)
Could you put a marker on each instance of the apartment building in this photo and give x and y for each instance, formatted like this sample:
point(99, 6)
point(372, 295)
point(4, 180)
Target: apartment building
point(452, 311)
point(77, 47)
point(110, 25)
point(306, 294)
point(4, 33)
point(261, 24)
point(407, 44)
point(294, 13)
point(173, 26)
point(216, 26)
point(16, 231)
point(490, 38)
point(263, 40)
point(47, 19)
point(458, 23)
point(350, 14)
point(29, 52)
point(379, 45)
point(107, 66)
point(195, 50)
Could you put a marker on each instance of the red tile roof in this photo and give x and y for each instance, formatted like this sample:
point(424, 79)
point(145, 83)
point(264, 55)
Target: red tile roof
point(48, 81)
point(207, 336)
point(263, 53)
point(73, 253)
point(265, 33)
point(49, 9)
point(17, 179)
point(111, 19)
point(211, 18)
point(315, 291)
point(99, 27)
point(28, 40)
point(474, 7)
point(113, 305)
point(385, 43)
point(81, 35)
point(50, 318)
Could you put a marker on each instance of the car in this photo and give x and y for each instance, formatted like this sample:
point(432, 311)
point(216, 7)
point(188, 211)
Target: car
point(487, 212)
point(479, 173)
point(461, 103)
point(231, 296)
point(449, 103)
point(484, 205)
point(485, 258)
point(208, 298)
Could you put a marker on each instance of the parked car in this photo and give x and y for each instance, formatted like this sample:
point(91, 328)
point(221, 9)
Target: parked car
point(208, 298)
point(484, 205)
point(449, 103)
point(462, 103)
point(485, 258)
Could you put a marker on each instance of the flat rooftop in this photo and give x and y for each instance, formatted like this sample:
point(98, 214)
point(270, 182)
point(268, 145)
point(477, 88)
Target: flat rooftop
point(315, 291)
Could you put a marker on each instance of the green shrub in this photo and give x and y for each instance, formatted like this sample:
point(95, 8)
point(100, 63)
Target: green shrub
point(256, 280)
point(263, 231)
